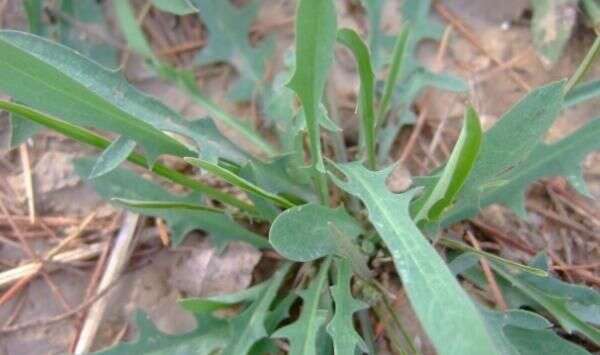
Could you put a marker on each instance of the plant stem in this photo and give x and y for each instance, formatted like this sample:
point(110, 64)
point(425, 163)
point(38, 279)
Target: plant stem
point(585, 65)
point(322, 187)
point(88, 137)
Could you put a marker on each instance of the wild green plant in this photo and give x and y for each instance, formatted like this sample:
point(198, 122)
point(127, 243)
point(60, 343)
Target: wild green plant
point(291, 189)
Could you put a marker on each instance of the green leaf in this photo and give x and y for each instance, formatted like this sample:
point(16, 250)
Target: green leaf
point(520, 332)
point(552, 24)
point(556, 298)
point(166, 205)
point(583, 92)
point(282, 176)
point(212, 333)
point(213, 145)
point(33, 11)
point(83, 93)
point(454, 244)
point(352, 40)
point(315, 39)
point(592, 9)
point(423, 26)
point(228, 41)
point(435, 200)
point(302, 233)
point(87, 13)
point(128, 186)
point(376, 36)
point(249, 326)
point(505, 152)
point(238, 181)
point(394, 72)
point(209, 304)
point(88, 137)
point(21, 129)
point(186, 81)
point(303, 334)
point(116, 153)
point(386, 136)
point(132, 32)
point(441, 305)
point(176, 7)
point(341, 327)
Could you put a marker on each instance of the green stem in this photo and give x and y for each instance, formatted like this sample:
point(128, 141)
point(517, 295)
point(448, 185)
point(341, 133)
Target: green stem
point(322, 187)
point(585, 65)
point(88, 137)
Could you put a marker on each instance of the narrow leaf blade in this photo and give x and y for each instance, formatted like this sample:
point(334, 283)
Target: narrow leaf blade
point(442, 306)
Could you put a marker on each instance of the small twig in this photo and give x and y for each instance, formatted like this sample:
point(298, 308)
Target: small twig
point(413, 136)
point(85, 252)
point(163, 232)
point(562, 220)
point(118, 259)
point(489, 275)
point(584, 274)
point(577, 267)
point(181, 48)
point(89, 292)
point(26, 163)
point(61, 317)
point(442, 50)
point(503, 237)
point(437, 136)
point(15, 313)
point(509, 64)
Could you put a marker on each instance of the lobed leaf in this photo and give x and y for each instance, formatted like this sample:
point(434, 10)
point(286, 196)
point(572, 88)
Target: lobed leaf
point(88, 137)
point(441, 305)
point(150, 199)
point(250, 326)
point(555, 297)
point(212, 333)
point(228, 41)
point(520, 332)
point(303, 334)
point(341, 327)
